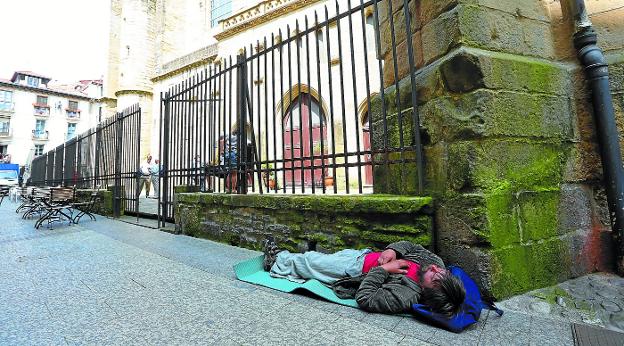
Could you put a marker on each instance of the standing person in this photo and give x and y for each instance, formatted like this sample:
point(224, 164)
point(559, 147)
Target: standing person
point(145, 175)
point(155, 171)
point(388, 282)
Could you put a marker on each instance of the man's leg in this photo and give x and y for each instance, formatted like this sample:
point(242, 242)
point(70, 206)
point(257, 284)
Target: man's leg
point(140, 187)
point(147, 187)
point(326, 268)
point(156, 185)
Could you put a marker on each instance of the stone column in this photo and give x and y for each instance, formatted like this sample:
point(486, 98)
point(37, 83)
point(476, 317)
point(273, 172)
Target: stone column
point(509, 153)
point(133, 59)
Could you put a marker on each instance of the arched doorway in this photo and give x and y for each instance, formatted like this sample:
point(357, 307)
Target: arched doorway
point(305, 142)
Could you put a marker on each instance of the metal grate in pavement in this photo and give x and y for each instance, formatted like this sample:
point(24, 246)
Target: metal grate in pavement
point(585, 335)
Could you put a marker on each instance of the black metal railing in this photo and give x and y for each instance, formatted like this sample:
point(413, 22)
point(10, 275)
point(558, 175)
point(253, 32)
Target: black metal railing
point(300, 111)
point(103, 157)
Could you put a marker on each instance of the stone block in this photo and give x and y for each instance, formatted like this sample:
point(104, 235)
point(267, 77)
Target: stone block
point(395, 131)
point(592, 250)
point(496, 165)
point(393, 31)
point(486, 28)
point(402, 60)
point(440, 35)
point(436, 163)
point(462, 73)
point(521, 73)
point(474, 260)
point(469, 69)
point(575, 208)
point(584, 163)
point(391, 176)
point(462, 219)
point(616, 71)
point(505, 32)
point(485, 113)
point(610, 29)
point(430, 9)
point(521, 9)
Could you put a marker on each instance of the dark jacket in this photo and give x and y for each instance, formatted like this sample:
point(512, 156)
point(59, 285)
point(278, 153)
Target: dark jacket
point(380, 291)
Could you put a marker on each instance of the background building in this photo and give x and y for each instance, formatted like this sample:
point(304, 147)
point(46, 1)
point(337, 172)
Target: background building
point(36, 116)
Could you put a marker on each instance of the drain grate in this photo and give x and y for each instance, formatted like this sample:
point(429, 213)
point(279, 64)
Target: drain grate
point(585, 335)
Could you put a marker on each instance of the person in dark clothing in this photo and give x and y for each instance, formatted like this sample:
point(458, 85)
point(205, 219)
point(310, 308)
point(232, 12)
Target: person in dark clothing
point(388, 282)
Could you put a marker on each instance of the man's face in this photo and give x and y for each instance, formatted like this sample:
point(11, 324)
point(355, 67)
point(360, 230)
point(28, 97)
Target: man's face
point(430, 274)
point(149, 158)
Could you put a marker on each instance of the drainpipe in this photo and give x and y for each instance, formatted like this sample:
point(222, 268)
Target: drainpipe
point(597, 73)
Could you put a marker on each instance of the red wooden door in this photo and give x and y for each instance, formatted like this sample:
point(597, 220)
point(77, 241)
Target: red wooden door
point(298, 154)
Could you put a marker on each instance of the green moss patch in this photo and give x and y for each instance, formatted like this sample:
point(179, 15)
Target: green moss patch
point(520, 268)
point(386, 204)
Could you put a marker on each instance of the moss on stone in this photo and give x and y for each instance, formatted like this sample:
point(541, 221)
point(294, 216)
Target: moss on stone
point(503, 223)
point(538, 214)
point(364, 203)
point(520, 268)
point(333, 223)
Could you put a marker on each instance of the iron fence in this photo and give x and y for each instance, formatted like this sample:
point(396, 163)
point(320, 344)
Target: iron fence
point(105, 157)
point(294, 112)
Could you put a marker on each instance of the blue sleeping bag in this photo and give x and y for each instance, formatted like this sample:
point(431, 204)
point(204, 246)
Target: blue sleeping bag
point(470, 310)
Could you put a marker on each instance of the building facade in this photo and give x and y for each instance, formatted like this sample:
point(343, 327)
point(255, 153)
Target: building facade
point(36, 116)
point(157, 44)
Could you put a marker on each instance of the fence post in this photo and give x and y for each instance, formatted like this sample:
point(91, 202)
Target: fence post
point(138, 155)
point(241, 104)
point(165, 158)
point(98, 147)
point(117, 187)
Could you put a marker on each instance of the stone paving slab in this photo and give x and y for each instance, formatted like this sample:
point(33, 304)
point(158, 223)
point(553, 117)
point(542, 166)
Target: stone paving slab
point(110, 282)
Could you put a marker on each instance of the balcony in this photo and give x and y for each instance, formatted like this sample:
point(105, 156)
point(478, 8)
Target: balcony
point(41, 110)
point(72, 114)
point(5, 133)
point(40, 135)
point(7, 108)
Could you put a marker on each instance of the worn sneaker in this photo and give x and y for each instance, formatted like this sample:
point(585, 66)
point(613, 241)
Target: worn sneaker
point(270, 250)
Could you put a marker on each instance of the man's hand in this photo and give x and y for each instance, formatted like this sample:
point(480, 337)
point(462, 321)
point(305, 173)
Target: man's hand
point(387, 256)
point(396, 267)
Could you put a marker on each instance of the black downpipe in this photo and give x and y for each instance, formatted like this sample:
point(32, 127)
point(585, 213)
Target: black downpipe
point(597, 72)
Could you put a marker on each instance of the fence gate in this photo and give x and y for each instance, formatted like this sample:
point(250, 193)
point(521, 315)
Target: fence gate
point(105, 157)
point(118, 159)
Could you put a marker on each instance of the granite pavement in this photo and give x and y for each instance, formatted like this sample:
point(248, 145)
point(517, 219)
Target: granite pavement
point(111, 282)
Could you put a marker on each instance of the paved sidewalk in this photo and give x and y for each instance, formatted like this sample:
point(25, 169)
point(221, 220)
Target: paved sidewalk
point(110, 282)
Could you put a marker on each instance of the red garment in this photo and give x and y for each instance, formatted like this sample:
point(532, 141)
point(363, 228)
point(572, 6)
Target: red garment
point(371, 260)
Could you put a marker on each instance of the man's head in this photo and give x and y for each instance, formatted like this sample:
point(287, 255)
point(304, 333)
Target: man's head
point(149, 157)
point(443, 292)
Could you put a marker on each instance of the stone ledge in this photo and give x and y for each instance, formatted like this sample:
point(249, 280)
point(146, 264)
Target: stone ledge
point(388, 204)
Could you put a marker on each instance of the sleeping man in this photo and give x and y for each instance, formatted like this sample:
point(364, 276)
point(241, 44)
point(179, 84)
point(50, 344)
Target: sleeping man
point(387, 282)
